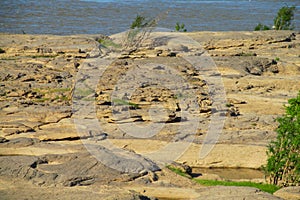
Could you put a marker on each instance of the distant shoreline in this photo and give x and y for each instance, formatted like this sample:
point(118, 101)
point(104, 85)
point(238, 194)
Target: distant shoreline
point(87, 17)
point(188, 32)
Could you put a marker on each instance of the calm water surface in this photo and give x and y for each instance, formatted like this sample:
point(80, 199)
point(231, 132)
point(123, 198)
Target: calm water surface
point(112, 16)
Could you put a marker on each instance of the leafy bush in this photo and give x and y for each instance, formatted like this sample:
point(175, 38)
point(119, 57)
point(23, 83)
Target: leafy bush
point(180, 27)
point(283, 165)
point(140, 29)
point(284, 18)
point(142, 22)
point(261, 27)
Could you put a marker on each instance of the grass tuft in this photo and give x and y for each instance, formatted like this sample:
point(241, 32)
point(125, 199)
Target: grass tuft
point(263, 187)
point(108, 43)
point(123, 102)
point(178, 171)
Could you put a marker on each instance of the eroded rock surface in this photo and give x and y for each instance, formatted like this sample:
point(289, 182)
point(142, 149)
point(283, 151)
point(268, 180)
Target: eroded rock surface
point(42, 88)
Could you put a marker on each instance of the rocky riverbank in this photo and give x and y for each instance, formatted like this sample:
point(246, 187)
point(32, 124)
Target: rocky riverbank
point(49, 99)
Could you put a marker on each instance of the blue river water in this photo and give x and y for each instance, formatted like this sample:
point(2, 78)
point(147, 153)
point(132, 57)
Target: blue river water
point(65, 17)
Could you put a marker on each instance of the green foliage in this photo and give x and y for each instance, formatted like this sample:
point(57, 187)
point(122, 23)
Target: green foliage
point(2, 50)
point(228, 105)
point(283, 165)
point(51, 90)
point(261, 27)
point(283, 20)
point(139, 22)
point(178, 171)
point(245, 54)
point(123, 102)
point(140, 30)
point(180, 27)
point(142, 22)
point(108, 43)
point(84, 92)
point(264, 187)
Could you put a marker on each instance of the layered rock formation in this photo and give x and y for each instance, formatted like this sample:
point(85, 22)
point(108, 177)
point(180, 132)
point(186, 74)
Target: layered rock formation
point(82, 121)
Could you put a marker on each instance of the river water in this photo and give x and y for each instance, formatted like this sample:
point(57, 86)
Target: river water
point(66, 17)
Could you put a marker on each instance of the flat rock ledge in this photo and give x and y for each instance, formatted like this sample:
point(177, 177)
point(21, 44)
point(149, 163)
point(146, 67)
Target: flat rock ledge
point(43, 156)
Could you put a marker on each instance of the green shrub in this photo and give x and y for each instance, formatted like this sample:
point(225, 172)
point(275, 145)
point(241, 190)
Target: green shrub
point(140, 30)
point(2, 50)
point(139, 22)
point(180, 27)
point(108, 43)
point(283, 164)
point(284, 18)
point(261, 27)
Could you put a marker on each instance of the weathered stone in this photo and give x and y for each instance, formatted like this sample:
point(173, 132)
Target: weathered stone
point(3, 140)
point(36, 103)
point(223, 192)
point(289, 193)
point(20, 142)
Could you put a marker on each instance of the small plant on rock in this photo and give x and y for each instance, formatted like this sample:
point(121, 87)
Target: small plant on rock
point(261, 27)
point(180, 27)
point(140, 29)
point(139, 22)
point(283, 165)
